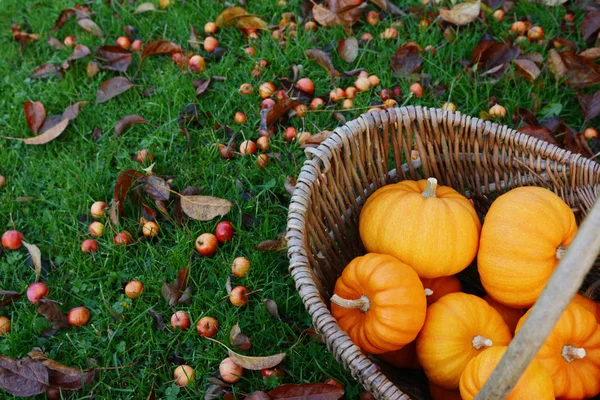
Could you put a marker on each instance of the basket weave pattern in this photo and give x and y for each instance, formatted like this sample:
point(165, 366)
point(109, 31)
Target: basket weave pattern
point(479, 159)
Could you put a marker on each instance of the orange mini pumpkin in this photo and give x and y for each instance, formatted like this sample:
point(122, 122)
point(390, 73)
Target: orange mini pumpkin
point(510, 315)
point(524, 235)
point(435, 288)
point(457, 328)
point(571, 353)
point(406, 357)
point(535, 383)
point(589, 305)
point(379, 301)
point(434, 229)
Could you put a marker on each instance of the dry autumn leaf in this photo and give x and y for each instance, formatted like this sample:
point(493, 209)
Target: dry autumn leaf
point(407, 60)
point(205, 208)
point(238, 340)
point(79, 51)
point(144, 7)
point(528, 69)
point(49, 310)
point(324, 60)
point(8, 296)
point(35, 114)
point(229, 16)
point(539, 132)
point(117, 58)
point(61, 376)
point(90, 27)
point(112, 87)
point(590, 25)
point(156, 187)
point(590, 105)
point(23, 378)
point(159, 47)
point(127, 121)
point(178, 291)
point(462, 14)
point(36, 258)
point(122, 186)
point(73, 110)
point(338, 12)
point(47, 70)
point(45, 137)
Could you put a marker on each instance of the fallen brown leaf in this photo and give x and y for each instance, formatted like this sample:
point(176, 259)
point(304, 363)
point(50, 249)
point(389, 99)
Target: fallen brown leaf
point(528, 69)
point(462, 14)
point(144, 7)
point(539, 132)
point(23, 378)
point(47, 70)
point(273, 114)
point(590, 25)
point(118, 59)
point(338, 12)
point(324, 60)
point(156, 187)
point(238, 339)
point(127, 121)
point(160, 47)
point(55, 43)
point(79, 51)
point(49, 310)
point(590, 105)
point(8, 296)
point(90, 27)
point(112, 87)
point(72, 111)
point(36, 258)
point(407, 60)
point(122, 186)
point(60, 375)
point(178, 291)
point(205, 208)
point(45, 137)
point(35, 114)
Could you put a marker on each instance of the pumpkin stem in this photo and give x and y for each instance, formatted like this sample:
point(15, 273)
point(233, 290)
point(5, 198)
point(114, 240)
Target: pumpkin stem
point(480, 342)
point(572, 353)
point(560, 252)
point(428, 292)
point(362, 303)
point(431, 188)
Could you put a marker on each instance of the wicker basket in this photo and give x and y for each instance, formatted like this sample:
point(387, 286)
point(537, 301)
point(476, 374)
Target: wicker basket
point(478, 158)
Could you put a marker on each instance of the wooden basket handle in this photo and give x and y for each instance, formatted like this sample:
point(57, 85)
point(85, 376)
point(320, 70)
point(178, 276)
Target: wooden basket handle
point(558, 293)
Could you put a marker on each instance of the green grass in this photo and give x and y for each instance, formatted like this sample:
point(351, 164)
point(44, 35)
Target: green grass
point(67, 175)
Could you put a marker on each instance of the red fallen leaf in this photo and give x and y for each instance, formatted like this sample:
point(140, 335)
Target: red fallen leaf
point(124, 182)
point(407, 60)
point(202, 85)
point(312, 391)
point(590, 25)
point(63, 17)
point(590, 105)
point(348, 49)
point(47, 71)
point(148, 213)
point(90, 27)
point(112, 87)
point(462, 14)
point(23, 378)
point(340, 12)
point(575, 141)
point(118, 58)
point(273, 114)
point(45, 137)
point(528, 69)
point(79, 51)
point(236, 338)
point(160, 47)
point(73, 110)
point(524, 115)
point(178, 291)
point(23, 37)
point(271, 245)
point(35, 114)
point(539, 132)
point(494, 58)
point(580, 72)
point(49, 310)
point(324, 60)
point(127, 121)
point(61, 376)
point(156, 187)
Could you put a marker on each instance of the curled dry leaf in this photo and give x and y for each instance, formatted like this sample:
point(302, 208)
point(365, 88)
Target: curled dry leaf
point(591, 53)
point(79, 51)
point(47, 70)
point(250, 22)
point(324, 60)
point(578, 71)
point(160, 47)
point(272, 114)
point(556, 65)
point(118, 58)
point(239, 17)
point(462, 14)
point(271, 245)
point(23, 378)
point(73, 110)
point(187, 191)
point(49, 310)
point(256, 363)
point(63, 17)
point(156, 187)
point(238, 339)
point(528, 69)
point(205, 208)
point(60, 375)
point(493, 58)
point(178, 291)
point(339, 12)
point(122, 186)
point(45, 137)
point(90, 27)
point(194, 41)
point(36, 258)
point(202, 85)
point(590, 105)
point(144, 7)
point(112, 87)
point(348, 49)
point(313, 391)
point(127, 121)
point(148, 213)
point(35, 114)
point(407, 60)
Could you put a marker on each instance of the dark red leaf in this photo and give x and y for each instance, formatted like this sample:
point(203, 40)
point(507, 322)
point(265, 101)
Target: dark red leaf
point(64, 16)
point(407, 60)
point(118, 58)
point(272, 114)
point(49, 310)
point(494, 58)
point(61, 376)
point(590, 105)
point(127, 121)
point(156, 187)
point(161, 47)
point(576, 142)
point(580, 72)
point(35, 114)
point(148, 213)
point(112, 87)
point(178, 291)
point(124, 182)
point(324, 60)
point(22, 378)
point(590, 25)
point(202, 85)
point(539, 133)
point(305, 391)
point(47, 70)
point(348, 49)
point(271, 245)
point(524, 115)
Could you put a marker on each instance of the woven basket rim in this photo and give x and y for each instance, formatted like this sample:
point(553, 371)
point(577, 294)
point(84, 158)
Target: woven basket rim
point(319, 160)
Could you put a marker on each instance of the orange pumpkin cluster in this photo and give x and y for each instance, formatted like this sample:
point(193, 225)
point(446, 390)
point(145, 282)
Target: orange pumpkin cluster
point(403, 301)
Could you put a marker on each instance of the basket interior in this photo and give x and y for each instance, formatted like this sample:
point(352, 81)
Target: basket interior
point(479, 159)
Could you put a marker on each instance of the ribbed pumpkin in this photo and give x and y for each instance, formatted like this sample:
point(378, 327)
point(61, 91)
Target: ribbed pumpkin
point(380, 302)
point(571, 353)
point(434, 229)
point(406, 357)
point(435, 288)
point(457, 328)
point(524, 235)
point(534, 384)
point(589, 305)
point(438, 393)
point(510, 315)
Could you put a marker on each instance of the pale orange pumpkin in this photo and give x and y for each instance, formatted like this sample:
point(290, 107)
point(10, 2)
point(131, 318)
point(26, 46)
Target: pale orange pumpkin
point(510, 315)
point(457, 328)
point(571, 353)
point(589, 305)
point(434, 229)
point(438, 393)
point(525, 233)
point(534, 384)
point(406, 357)
point(380, 302)
point(435, 288)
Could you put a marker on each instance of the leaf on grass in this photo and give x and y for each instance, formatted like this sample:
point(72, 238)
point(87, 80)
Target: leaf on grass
point(178, 291)
point(590, 25)
point(79, 51)
point(313, 391)
point(494, 58)
point(272, 114)
point(55, 43)
point(92, 69)
point(238, 339)
point(187, 191)
point(205, 208)
point(407, 60)
point(127, 121)
point(49, 310)
point(8, 296)
point(158, 320)
point(202, 85)
point(160, 47)
point(539, 132)
point(63, 17)
point(144, 7)
point(90, 27)
point(47, 70)
point(229, 16)
point(23, 378)
point(317, 138)
point(45, 137)
point(112, 87)
point(35, 114)
point(339, 12)
point(256, 363)
point(194, 41)
point(250, 22)
point(590, 105)
point(36, 258)
point(556, 65)
point(528, 69)
point(271, 245)
point(290, 184)
point(272, 308)
point(591, 53)
point(118, 58)
point(124, 182)
point(156, 187)
point(228, 287)
point(348, 49)
point(60, 375)
point(579, 72)
point(73, 110)
point(462, 14)
point(324, 60)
